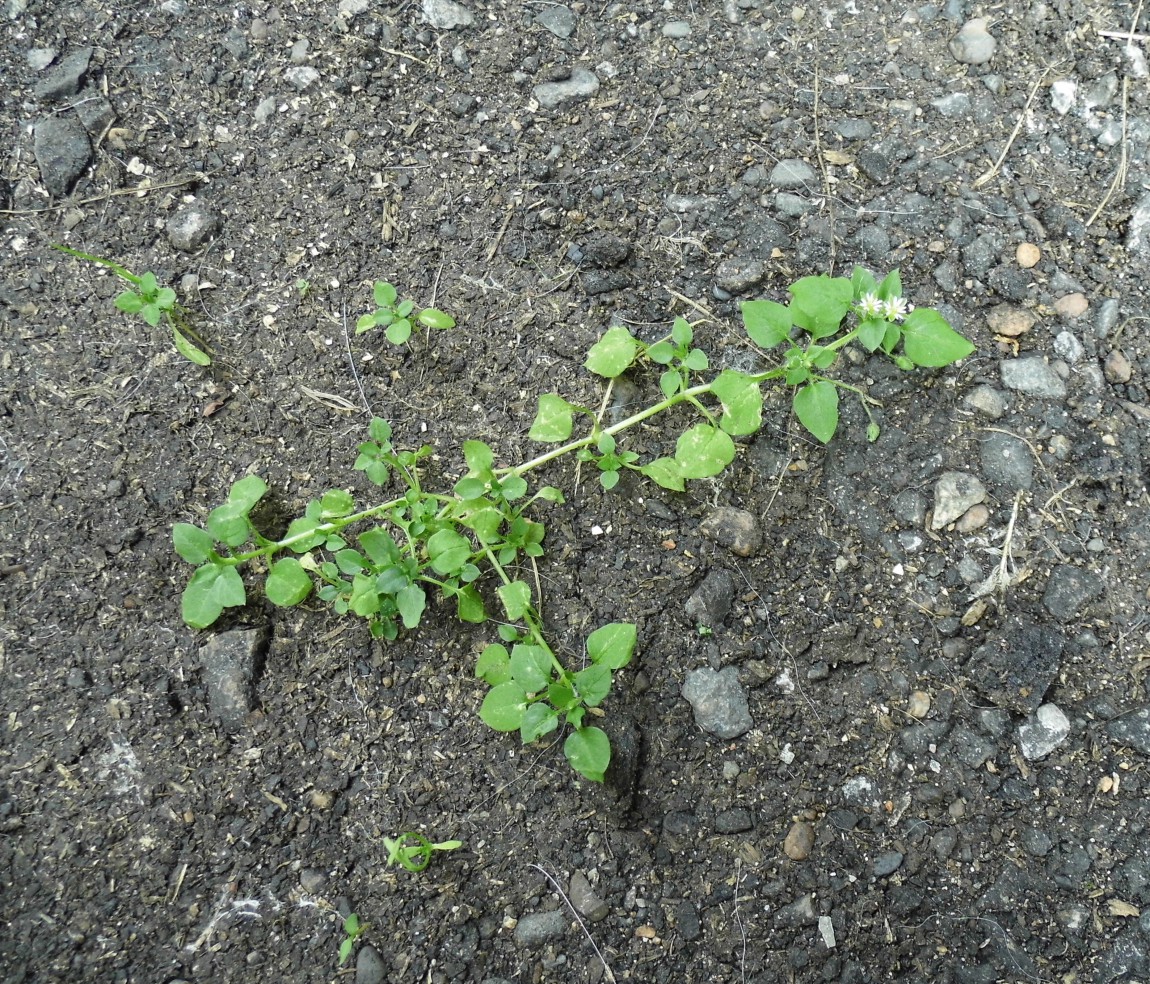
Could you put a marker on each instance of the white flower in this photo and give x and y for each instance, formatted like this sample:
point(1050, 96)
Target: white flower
point(870, 307)
point(896, 308)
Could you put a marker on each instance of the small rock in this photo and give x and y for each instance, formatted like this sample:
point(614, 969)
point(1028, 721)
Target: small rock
point(1117, 368)
point(1009, 320)
point(986, 400)
point(736, 529)
point(887, 864)
point(232, 662)
point(39, 59)
point(1133, 729)
point(800, 841)
point(740, 273)
point(312, 880)
point(792, 173)
point(801, 912)
point(918, 706)
point(581, 85)
point(734, 821)
point(1015, 668)
point(952, 105)
point(62, 151)
point(301, 76)
point(190, 228)
point(1062, 94)
point(677, 29)
point(1045, 730)
point(954, 494)
point(1027, 255)
point(604, 249)
point(370, 967)
point(350, 9)
point(1072, 305)
point(1069, 590)
point(1067, 347)
point(711, 601)
point(66, 78)
point(1137, 239)
point(973, 44)
point(719, 702)
point(559, 20)
point(537, 928)
point(975, 518)
point(1007, 461)
point(446, 15)
point(687, 920)
point(584, 899)
point(1033, 375)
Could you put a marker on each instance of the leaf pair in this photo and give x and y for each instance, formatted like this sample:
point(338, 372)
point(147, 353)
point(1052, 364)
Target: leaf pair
point(399, 318)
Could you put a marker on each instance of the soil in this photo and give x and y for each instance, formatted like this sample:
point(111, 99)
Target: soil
point(888, 816)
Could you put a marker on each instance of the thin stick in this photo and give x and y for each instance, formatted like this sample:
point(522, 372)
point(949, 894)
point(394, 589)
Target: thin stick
point(138, 190)
point(1120, 173)
point(1017, 127)
point(583, 926)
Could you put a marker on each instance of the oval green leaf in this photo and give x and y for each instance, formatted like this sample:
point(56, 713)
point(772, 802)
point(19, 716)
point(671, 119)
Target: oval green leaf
point(192, 544)
point(613, 354)
point(703, 451)
point(589, 752)
point(288, 583)
point(613, 644)
point(503, 707)
point(928, 340)
point(817, 407)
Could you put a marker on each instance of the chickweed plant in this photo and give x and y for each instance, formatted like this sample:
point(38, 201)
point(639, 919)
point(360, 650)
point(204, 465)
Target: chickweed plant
point(353, 929)
point(381, 562)
point(145, 297)
point(413, 851)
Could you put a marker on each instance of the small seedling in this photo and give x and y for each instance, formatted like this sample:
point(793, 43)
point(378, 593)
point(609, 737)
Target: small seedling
point(414, 851)
point(303, 288)
point(419, 543)
point(145, 297)
point(399, 318)
point(353, 929)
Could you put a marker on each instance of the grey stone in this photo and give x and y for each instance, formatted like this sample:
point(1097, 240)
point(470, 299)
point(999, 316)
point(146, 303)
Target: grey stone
point(970, 748)
point(584, 899)
point(954, 494)
point(1037, 842)
point(1133, 729)
point(537, 928)
point(987, 400)
point(232, 662)
point(604, 249)
point(1016, 667)
point(719, 702)
point(1067, 347)
point(736, 529)
point(370, 967)
point(733, 821)
point(1138, 229)
point(1069, 590)
point(40, 58)
point(66, 78)
point(62, 151)
point(559, 20)
point(711, 601)
point(887, 864)
point(1007, 461)
point(1032, 375)
point(952, 105)
point(677, 29)
point(581, 85)
point(788, 203)
point(973, 44)
point(687, 921)
point(446, 15)
point(1043, 732)
point(301, 76)
point(801, 912)
point(910, 507)
point(875, 165)
point(95, 112)
point(792, 173)
point(190, 228)
point(740, 273)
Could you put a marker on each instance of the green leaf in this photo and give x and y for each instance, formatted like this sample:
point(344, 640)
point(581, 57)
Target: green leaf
point(247, 491)
point(697, 360)
point(554, 420)
point(448, 551)
point(211, 589)
point(434, 318)
point(863, 283)
point(398, 332)
point(513, 487)
point(304, 527)
point(608, 479)
point(871, 333)
point(670, 382)
point(405, 309)
point(665, 472)
point(819, 304)
point(890, 287)
point(379, 430)
point(470, 488)
point(288, 583)
point(561, 696)
point(516, 598)
point(661, 353)
point(493, 665)
point(364, 600)
point(345, 950)
point(817, 407)
point(613, 354)
point(530, 667)
point(503, 707)
point(335, 504)
point(742, 401)
point(594, 684)
point(703, 451)
point(384, 294)
point(379, 545)
point(550, 494)
point(129, 302)
point(189, 351)
point(365, 322)
point(192, 544)
point(469, 606)
point(589, 752)
point(613, 644)
point(928, 340)
point(682, 333)
point(151, 314)
point(479, 456)
point(538, 720)
point(767, 322)
point(411, 601)
point(229, 524)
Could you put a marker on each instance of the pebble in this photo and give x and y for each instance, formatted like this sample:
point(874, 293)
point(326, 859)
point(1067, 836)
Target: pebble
point(792, 173)
point(301, 76)
point(973, 44)
point(1016, 668)
point(1062, 95)
point(62, 150)
point(1133, 729)
point(1067, 347)
point(191, 228)
point(1043, 732)
point(800, 841)
point(1117, 368)
point(918, 706)
point(1010, 320)
point(740, 273)
point(801, 912)
point(1137, 240)
point(677, 29)
point(954, 494)
point(584, 899)
point(719, 701)
point(1033, 375)
point(446, 15)
point(537, 928)
point(736, 529)
point(952, 105)
point(1072, 305)
point(1069, 590)
point(66, 78)
point(1007, 461)
point(975, 518)
point(370, 967)
point(231, 663)
point(581, 85)
point(887, 864)
point(987, 400)
point(39, 59)
point(1027, 255)
point(559, 20)
point(711, 601)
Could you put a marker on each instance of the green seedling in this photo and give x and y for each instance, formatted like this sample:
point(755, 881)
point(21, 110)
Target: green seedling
point(303, 288)
point(414, 851)
point(145, 297)
point(399, 318)
point(353, 929)
point(386, 562)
